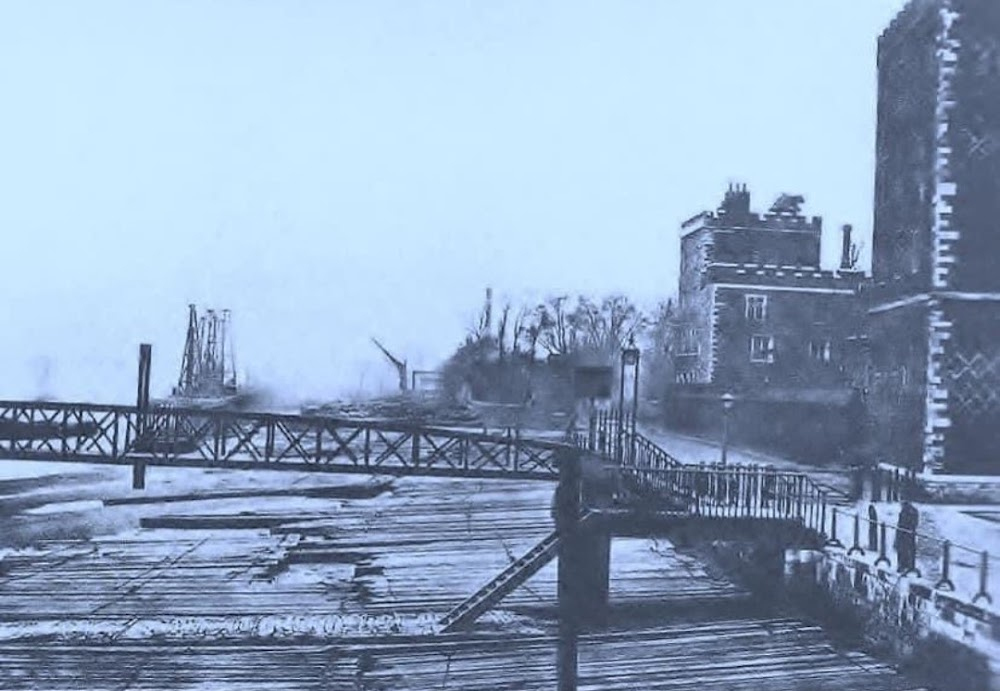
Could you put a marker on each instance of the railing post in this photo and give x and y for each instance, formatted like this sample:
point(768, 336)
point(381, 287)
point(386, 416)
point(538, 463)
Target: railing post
point(984, 571)
point(872, 527)
point(944, 583)
point(368, 447)
point(415, 448)
point(517, 449)
point(822, 514)
point(882, 558)
point(856, 547)
point(269, 440)
point(834, 541)
point(800, 486)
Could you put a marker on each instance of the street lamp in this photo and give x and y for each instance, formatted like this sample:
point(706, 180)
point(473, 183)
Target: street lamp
point(630, 358)
point(727, 406)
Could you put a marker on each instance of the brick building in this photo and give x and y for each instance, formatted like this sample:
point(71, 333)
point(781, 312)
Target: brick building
point(758, 317)
point(934, 308)
point(755, 308)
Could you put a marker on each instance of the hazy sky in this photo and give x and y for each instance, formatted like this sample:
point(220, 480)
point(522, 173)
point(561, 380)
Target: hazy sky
point(335, 170)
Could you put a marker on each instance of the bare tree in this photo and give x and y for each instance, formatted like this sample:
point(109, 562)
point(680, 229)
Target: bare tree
point(624, 321)
point(556, 326)
point(608, 325)
point(533, 327)
point(518, 330)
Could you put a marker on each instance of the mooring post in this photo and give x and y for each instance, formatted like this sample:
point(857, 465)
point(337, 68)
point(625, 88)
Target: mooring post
point(568, 505)
point(142, 410)
point(856, 547)
point(944, 583)
point(984, 579)
point(882, 558)
point(833, 541)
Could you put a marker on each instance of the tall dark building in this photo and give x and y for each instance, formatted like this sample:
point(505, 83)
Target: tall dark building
point(935, 303)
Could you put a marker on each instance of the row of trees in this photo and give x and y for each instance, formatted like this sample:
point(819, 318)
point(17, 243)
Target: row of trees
point(561, 326)
point(500, 347)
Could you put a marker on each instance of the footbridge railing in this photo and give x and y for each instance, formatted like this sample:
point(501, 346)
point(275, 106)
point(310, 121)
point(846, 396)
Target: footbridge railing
point(866, 541)
point(649, 473)
point(124, 435)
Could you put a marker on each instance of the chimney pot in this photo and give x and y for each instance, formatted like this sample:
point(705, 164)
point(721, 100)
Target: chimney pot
point(845, 252)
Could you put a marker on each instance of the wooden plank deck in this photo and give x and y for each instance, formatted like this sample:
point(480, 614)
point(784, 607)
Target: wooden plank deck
point(332, 594)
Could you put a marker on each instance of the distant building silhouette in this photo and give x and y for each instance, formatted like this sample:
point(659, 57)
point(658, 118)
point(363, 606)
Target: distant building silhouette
point(935, 304)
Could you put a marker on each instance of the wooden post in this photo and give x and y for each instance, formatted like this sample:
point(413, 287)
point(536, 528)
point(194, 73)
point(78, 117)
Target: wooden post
point(142, 409)
point(138, 475)
point(145, 365)
point(568, 524)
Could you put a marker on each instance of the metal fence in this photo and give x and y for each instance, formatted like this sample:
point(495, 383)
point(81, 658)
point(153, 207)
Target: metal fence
point(762, 492)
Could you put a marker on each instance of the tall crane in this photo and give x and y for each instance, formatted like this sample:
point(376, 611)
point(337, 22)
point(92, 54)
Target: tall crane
point(400, 365)
point(208, 368)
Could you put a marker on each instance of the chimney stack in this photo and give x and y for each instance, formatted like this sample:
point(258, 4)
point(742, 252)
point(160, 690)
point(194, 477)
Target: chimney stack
point(845, 252)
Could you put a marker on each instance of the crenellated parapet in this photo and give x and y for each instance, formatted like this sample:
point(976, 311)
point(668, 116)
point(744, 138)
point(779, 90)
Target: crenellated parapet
point(791, 277)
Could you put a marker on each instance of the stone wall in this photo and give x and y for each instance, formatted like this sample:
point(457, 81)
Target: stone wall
point(943, 639)
point(816, 433)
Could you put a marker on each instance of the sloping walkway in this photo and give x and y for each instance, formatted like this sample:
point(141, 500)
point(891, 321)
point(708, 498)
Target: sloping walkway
point(691, 449)
point(971, 529)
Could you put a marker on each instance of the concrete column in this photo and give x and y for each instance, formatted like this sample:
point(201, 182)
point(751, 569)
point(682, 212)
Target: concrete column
point(584, 566)
point(567, 515)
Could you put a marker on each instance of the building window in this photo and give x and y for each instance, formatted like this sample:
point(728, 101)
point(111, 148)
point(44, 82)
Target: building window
point(756, 308)
point(820, 350)
point(689, 342)
point(761, 349)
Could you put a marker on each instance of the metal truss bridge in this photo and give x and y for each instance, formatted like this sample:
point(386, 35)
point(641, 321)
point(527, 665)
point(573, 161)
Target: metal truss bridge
point(176, 437)
point(609, 480)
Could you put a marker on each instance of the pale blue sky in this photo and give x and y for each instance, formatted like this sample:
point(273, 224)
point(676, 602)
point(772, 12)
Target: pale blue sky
point(334, 170)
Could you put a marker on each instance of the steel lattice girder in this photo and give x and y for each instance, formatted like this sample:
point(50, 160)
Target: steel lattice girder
point(89, 433)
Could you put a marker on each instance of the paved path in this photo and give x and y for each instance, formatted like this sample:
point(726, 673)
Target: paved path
point(691, 449)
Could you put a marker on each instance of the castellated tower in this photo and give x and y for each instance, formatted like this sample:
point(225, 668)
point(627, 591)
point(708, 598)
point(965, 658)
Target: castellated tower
point(934, 308)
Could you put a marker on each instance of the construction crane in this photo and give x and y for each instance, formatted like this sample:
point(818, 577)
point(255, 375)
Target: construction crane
point(400, 365)
point(208, 368)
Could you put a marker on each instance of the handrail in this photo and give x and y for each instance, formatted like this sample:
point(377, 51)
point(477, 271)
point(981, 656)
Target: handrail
point(758, 491)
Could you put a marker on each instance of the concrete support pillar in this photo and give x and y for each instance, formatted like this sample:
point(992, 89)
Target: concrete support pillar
point(584, 568)
point(593, 557)
point(567, 515)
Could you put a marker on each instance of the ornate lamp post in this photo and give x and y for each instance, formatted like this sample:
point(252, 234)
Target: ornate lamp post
point(727, 406)
point(630, 358)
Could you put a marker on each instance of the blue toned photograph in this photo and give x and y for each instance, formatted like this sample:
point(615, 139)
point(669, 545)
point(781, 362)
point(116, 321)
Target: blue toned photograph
point(499, 345)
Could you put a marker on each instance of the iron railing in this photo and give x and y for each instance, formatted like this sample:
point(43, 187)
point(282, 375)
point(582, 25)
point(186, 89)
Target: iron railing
point(90, 433)
point(762, 492)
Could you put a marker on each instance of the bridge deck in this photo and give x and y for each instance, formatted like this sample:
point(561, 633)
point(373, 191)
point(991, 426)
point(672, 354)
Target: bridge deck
point(339, 569)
